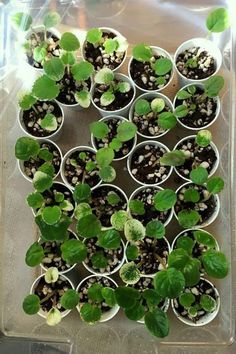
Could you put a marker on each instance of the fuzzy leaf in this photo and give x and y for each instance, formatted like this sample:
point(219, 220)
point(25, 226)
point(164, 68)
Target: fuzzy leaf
point(165, 199)
point(104, 76)
point(203, 138)
point(35, 200)
point(155, 228)
point(215, 264)
point(99, 129)
point(109, 296)
point(42, 181)
point(129, 273)
point(34, 255)
point(126, 131)
point(208, 303)
point(82, 210)
point(118, 220)
point(95, 292)
point(181, 111)
point(26, 101)
point(213, 85)
point(142, 52)
point(142, 107)
point(45, 154)
point(136, 312)
point(126, 297)
point(215, 185)
point(157, 105)
point(82, 71)
point(218, 20)
point(31, 304)
point(204, 238)
point(68, 58)
point(69, 299)
point(26, 148)
point(157, 323)
point(134, 230)
point(51, 19)
point(173, 158)
point(94, 35)
point(107, 174)
point(167, 120)
point(186, 300)
point(104, 156)
point(40, 52)
point(109, 239)
point(53, 317)
point(69, 42)
point(132, 252)
point(49, 122)
point(107, 98)
point(188, 218)
point(54, 68)
point(183, 95)
point(88, 226)
point(199, 175)
point(90, 313)
point(113, 198)
point(51, 214)
point(51, 275)
point(83, 98)
point(99, 260)
point(45, 88)
point(110, 45)
point(56, 232)
point(191, 195)
point(73, 251)
point(47, 168)
point(82, 193)
point(136, 207)
point(169, 283)
point(123, 86)
point(162, 66)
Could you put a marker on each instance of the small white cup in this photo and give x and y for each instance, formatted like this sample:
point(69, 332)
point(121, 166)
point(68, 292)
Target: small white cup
point(106, 316)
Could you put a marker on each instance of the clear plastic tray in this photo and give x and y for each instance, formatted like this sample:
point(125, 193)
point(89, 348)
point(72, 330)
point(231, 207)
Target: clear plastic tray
point(155, 22)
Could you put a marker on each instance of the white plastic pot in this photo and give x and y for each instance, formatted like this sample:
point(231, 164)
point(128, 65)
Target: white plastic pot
point(107, 30)
point(211, 218)
point(152, 275)
point(204, 43)
point(107, 118)
point(35, 283)
point(188, 230)
point(147, 142)
point(21, 162)
point(155, 51)
point(68, 154)
point(96, 272)
point(106, 316)
point(150, 95)
point(71, 267)
point(38, 29)
point(54, 136)
point(218, 108)
point(122, 111)
point(208, 316)
point(157, 188)
point(215, 166)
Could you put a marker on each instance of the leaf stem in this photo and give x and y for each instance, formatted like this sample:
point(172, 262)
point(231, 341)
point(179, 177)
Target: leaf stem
point(48, 297)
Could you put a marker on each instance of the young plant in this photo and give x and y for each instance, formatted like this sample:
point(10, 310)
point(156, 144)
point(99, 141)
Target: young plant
point(193, 304)
point(37, 46)
point(91, 311)
point(60, 300)
point(192, 99)
point(166, 120)
point(106, 77)
point(125, 132)
point(161, 66)
point(27, 148)
point(67, 66)
point(178, 157)
point(189, 217)
point(109, 45)
point(138, 305)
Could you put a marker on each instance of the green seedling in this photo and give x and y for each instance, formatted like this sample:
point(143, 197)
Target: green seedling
point(110, 45)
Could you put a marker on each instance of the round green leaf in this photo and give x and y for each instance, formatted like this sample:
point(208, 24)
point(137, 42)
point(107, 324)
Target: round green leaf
point(183, 95)
point(167, 120)
point(31, 304)
point(94, 35)
point(113, 198)
point(69, 299)
point(107, 98)
point(132, 252)
point(157, 323)
point(110, 45)
point(35, 200)
point(162, 66)
point(136, 207)
point(105, 156)
point(88, 226)
point(109, 296)
point(134, 230)
point(203, 138)
point(42, 181)
point(69, 42)
point(45, 154)
point(157, 105)
point(165, 199)
point(99, 260)
point(47, 168)
point(169, 283)
point(118, 220)
point(51, 19)
point(104, 76)
point(129, 273)
point(34, 255)
point(215, 263)
point(45, 88)
point(142, 107)
point(186, 243)
point(215, 185)
point(213, 85)
point(83, 97)
point(191, 195)
point(181, 111)
point(56, 232)
point(26, 101)
point(99, 129)
point(199, 175)
point(173, 158)
point(51, 214)
point(208, 303)
point(188, 218)
point(49, 122)
point(218, 20)
point(136, 312)
point(107, 174)
point(204, 238)
point(95, 292)
point(82, 71)
point(186, 300)
point(54, 68)
point(90, 313)
point(142, 52)
point(109, 239)
point(25, 148)
point(73, 251)
point(126, 297)
point(53, 317)
point(155, 228)
point(126, 131)
point(82, 210)
point(82, 193)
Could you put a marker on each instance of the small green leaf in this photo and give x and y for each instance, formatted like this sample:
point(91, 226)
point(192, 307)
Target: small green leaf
point(155, 228)
point(191, 89)
point(126, 131)
point(203, 138)
point(183, 95)
point(136, 207)
point(113, 198)
point(51, 19)
point(66, 205)
point(51, 275)
point(26, 101)
point(47, 168)
point(157, 323)
point(110, 45)
point(123, 86)
point(82, 210)
point(132, 252)
point(213, 85)
point(163, 66)
point(34, 255)
point(40, 52)
point(42, 181)
point(51, 215)
point(45, 154)
point(88, 226)
point(157, 105)
point(35, 200)
point(152, 298)
point(82, 71)
point(208, 303)
point(45, 88)
point(99, 129)
point(188, 218)
point(215, 185)
point(204, 238)
point(68, 58)
point(169, 283)
point(31, 304)
point(126, 297)
point(95, 292)
point(109, 239)
point(56, 232)
point(90, 166)
point(83, 98)
point(218, 20)
point(104, 76)
point(142, 107)
point(69, 42)
point(107, 174)
point(25, 148)
point(181, 111)
point(191, 195)
point(186, 243)
point(115, 144)
point(73, 251)
point(173, 158)
point(134, 230)
point(94, 35)
point(186, 300)
point(142, 52)
point(59, 197)
point(90, 313)
point(99, 260)
point(136, 312)
point(107, 98)
point(49, 122)
point(54, 68)
point(129, 273)
point(215, 264)
point(109, 296)
point(192, 311)
point(160, 81)
point(69, 299)
point(118, 219)
point(167, 120)
point(165, 199)
point(82, 193)
point(105, 156)
point(22, 21)
point(191, 63)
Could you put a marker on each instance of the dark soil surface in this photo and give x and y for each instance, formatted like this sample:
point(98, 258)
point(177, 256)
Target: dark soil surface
point(196, 156)
point(97, 56)
point(204, 63)
point(113, 124)
point(201, 288)
point(205, 207)
point(148, 260)
point(75, 172)
point(31, 166)
point(204, 113)
point(145, 77)
point(146, 196)
point(56, 290)
point(102, 209)
point(145, 164)
point(32, 120)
